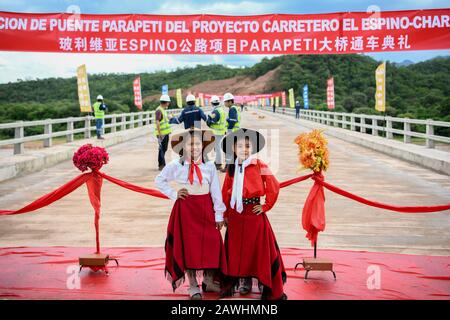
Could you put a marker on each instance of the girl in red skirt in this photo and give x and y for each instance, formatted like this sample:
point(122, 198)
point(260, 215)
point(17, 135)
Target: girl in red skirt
point(250, 244)
point(193, 242)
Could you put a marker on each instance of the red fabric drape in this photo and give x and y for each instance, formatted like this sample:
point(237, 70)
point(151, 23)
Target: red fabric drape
point(289, 182)
point(133, 187)
point(412, 209)
point(53, 196)
point(313, 215)
point(94, 186)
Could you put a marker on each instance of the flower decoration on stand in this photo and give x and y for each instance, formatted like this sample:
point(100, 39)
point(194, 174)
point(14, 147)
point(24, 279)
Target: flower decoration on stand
point(313, 154)
point(90, 157)
point(313, 150)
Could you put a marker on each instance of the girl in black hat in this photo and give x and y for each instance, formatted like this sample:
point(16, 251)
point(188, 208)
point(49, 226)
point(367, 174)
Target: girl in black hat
point(250, 244)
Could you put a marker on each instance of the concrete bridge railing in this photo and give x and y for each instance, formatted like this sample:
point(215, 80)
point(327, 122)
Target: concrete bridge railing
point(362, 122)
point(75, 125)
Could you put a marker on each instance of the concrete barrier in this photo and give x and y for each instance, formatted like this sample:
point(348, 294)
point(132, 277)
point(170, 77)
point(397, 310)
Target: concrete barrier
point(436, 160)
point(36, 160)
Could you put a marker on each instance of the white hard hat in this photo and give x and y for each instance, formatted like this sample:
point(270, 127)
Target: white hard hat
point(164, 98)
point(190, 98)
point(215, 99)
point(99, 97)
point(228, 96)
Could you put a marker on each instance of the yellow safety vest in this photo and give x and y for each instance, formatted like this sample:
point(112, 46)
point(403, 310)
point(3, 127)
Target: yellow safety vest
point(220, 127)
point(98, 114)
point(164, 126)
point(237, 125)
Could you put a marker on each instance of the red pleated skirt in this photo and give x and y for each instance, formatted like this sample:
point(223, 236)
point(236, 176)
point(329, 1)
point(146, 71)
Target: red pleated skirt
point(193, 242)
point(252, 251)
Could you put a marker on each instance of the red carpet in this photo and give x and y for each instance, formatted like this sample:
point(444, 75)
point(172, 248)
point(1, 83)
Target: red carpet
point(41, 273)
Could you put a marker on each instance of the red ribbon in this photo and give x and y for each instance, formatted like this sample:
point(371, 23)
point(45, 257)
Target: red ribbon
point(287, 183)
point(133, 187)
point(192, 167)
point(94, 186)
point(53, 196)
point(313, 215)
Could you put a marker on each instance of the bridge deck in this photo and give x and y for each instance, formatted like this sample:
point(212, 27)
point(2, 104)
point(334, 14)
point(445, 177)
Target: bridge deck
point(131, 219)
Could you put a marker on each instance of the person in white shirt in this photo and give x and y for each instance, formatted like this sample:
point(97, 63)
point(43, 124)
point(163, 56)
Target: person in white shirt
point(194, 242)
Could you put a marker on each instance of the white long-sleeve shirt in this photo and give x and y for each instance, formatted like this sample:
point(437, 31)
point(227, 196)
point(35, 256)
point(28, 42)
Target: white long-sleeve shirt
point(175, 171)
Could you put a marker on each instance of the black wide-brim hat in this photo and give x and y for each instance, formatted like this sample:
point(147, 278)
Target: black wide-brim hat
point(179, 139)
point(257, 139)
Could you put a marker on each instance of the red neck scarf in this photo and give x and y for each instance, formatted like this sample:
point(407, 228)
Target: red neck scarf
point(194, 166)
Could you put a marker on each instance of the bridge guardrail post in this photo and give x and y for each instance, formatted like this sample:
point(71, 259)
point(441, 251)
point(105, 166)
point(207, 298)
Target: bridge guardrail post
point(374, 127)
point(48, 130)
point(132, 121)
point(430, 132)
point(352, 122)
point(389, 134)
point(19, 134)
point(123, 123)
point(406, 131)
point(141, 122)
point(362, 122)
point(113, 124)
point(69, 136)
point(87, 127)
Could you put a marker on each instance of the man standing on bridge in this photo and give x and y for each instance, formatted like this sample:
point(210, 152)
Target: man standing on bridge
point(99, 114)
point(216, 121)
point(297, 109)
point(162, 129)
point(191, 114)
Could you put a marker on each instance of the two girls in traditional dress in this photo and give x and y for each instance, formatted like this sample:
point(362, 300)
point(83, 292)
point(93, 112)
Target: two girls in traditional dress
point(194, 241)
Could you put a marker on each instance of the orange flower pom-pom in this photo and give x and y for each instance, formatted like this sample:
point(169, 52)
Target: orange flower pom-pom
point(313, 151)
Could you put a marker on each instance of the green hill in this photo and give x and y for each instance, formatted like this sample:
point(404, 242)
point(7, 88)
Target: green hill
point(419, 90)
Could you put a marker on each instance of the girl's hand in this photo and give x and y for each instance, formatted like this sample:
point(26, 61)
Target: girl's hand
point(182, 194)
point(219, 225)
point(257, 209)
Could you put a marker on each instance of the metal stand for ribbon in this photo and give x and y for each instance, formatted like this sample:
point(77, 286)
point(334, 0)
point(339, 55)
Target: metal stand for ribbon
point(316, 264)
point(97, 261)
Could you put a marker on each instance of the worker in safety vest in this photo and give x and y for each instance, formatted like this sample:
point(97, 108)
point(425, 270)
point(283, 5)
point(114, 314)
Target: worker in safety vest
point(233, 120)
point(162, 129)
point(234, 115)
point(217, 122)
point(99, 115)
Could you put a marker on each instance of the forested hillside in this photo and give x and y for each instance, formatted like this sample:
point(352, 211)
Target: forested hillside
point(418, 90)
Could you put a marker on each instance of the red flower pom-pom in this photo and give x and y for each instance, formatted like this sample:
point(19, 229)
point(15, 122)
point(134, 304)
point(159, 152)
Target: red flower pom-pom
point(90, 157)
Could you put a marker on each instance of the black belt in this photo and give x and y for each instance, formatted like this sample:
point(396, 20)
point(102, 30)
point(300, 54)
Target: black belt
point(255, 200)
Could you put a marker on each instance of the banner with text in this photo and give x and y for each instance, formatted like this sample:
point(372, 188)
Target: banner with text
point(137, 93)
point(330, 93)
point(179, 99)
point(305, 97)
point(342, 32)
point(380, 93)
point(83, 89)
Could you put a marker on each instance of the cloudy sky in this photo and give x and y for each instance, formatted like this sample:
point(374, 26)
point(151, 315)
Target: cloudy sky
point(18, 65)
